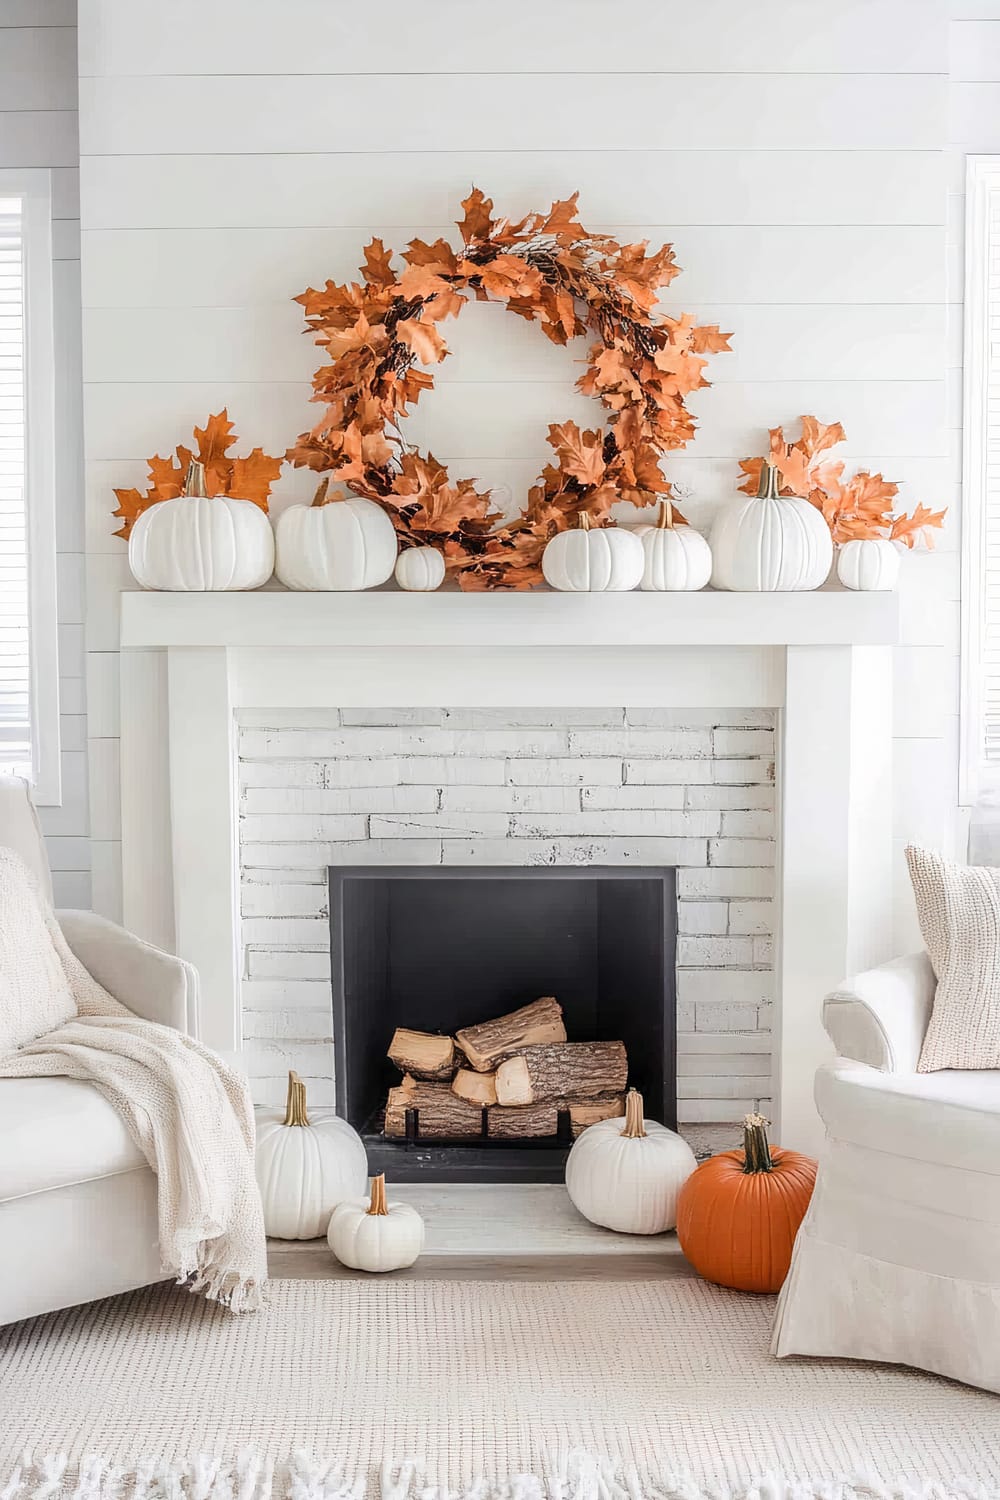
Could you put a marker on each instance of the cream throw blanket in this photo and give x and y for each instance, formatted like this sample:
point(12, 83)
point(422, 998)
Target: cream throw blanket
point(189, 1113)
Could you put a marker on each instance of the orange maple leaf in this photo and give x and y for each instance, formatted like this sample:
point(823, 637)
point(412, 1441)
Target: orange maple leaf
point(377, 269)
point(253, 476)
point(477, 218)
point(423, 338)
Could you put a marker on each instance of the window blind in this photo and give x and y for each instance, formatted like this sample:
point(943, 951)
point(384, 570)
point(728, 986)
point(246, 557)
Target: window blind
point(15, 658)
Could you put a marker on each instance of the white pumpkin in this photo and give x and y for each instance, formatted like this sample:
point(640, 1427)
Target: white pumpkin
point(373, 1235)
point(770, 543)
point(606, 559)
point(677, 558)
point(420, 569)
point(628, 1176)
point(336, 544)
point(868, 564)
point(306, 1167)
point(201, 544)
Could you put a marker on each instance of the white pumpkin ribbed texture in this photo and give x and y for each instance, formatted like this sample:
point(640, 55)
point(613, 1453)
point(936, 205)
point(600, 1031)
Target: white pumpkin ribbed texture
point(770, 543)
point(420, 570)
point(373, 1235)
point(304, 1170)
point(870, 564)
point(202, 544)
point(606, 559)
point(627, 1174)
point(335, 547)
point(677, 558)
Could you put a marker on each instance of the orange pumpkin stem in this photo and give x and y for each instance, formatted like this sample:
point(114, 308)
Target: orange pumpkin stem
point(756, 1150)
point(665, 520)
point(295, 1102)
point(320, 497)
point(378, 1206)
point(634, 1125)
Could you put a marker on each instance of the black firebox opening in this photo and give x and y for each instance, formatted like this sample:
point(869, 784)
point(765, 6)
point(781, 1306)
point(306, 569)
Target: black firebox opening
point(439, 948)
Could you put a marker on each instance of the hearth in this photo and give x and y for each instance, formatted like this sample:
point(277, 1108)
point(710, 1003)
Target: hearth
point(439, 949)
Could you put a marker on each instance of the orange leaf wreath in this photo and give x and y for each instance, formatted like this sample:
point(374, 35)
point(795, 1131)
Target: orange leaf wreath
point(860, 508)
point(548, 269)
point(247, 478)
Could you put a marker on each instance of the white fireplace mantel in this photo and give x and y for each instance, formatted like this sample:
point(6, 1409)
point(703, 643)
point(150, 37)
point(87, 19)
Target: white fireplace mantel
point(191, 662)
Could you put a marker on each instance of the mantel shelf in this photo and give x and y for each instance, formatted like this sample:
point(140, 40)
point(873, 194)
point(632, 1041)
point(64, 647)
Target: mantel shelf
point(390, 617)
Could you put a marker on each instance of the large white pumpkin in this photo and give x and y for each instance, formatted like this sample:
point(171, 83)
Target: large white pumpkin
point(770, 543)
point(373, 1235)
point(607, 559)
point(420, 570)
point(337, 544)
point(201, 544)
point(627, 1176)
point(677, 558)
point(869, 564)
point(306, 1167)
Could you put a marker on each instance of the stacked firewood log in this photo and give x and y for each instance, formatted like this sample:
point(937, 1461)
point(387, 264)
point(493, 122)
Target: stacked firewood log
point(509, 1078)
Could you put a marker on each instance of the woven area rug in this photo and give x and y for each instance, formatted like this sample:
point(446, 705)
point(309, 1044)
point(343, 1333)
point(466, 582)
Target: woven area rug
point(413, 1388)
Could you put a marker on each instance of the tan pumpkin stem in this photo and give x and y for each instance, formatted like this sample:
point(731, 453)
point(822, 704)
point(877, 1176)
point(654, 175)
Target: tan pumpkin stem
point(584, 521)
point(194, 480)
point(634, 1125)
point(665, 520)
point(295, 1102)
point(378, 1203)
point(756, 1150)
point(767, 488)
point(320, 497)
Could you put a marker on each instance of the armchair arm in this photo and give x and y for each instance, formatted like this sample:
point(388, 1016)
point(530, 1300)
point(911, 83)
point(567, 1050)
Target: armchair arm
point(154, 985)
point(880, 1017)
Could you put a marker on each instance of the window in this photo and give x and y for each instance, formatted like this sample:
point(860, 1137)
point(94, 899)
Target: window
point(29, 668)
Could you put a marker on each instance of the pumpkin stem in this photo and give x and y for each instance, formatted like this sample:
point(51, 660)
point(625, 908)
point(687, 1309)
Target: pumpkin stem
point(320, 496)
point(634, 1126)
point(665, 520)
point(378, 1204)
point(295, 1102)
point(584, 521)
point(756, 1150)
point(194, 480)
point(767, 488)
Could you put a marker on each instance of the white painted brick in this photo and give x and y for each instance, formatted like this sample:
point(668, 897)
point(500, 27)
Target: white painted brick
point(286, 994)
point(514, 743)
point(763, 950)
point(287, 963)
point(661, 824)
point(742, 742)
point(714, 952)
point(740, 772)
point(291, 900)
point(730, 797)
point(712, 1111)
point(269, 1093)
point(753, 917)
point(533, 718)
point(700, 718)
point(750, 987)
point(287, 1026)
point(300, 857)
point(391, 718)
point(378, 771)
point(309, 1059)
point(726, 1087)
point(685, 1018)
point(468, 770)
point(446, 826)
point(273, 828)
point(728, 852)
point(655, 743)
point(561, 771)
point(738, 881)
point(285, 932)
point(322, 744)
point(668, 772)
point(525, 799)
point(312, 874)
point(289, 718)
point(639, 798)
point(748, 825)
point(702, 916)
point(691, 1043)
point(568, 851)
point(736, 1065)
point(352, 799)
point(711, 1015)
point(280, 773)
point(386, 852)
point(709, 1138)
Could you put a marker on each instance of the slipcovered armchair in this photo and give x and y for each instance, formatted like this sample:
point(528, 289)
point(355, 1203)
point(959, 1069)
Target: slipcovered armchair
point(896, 1259)
point(77, 1201)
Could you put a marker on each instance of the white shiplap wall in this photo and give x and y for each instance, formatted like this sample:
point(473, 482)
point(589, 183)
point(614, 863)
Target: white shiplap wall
point(38, 128)
point(792, 151)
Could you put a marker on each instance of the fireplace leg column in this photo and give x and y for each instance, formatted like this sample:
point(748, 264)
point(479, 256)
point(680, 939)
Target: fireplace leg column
point(835, 860)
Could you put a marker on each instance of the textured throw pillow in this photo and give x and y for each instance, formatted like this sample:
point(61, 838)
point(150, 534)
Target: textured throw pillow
point(958, 908)
point(35, 995)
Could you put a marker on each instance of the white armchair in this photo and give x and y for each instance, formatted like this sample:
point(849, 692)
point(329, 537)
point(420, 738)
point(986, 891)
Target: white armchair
point(77, 1200)
point(897, 1258)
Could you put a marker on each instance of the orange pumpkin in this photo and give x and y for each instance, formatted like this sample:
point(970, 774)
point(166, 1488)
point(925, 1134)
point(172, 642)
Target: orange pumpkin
point(739, 1213)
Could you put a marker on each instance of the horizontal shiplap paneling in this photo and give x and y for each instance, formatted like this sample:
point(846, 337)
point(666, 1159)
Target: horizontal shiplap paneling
point(37, 68)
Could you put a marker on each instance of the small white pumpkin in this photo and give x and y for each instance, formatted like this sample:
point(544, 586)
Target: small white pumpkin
point(304, 1167)
point(337, 544)
point(373, 1235)
point(770, 543)
point(606, 559)
point(201, 544)
point(628, 1176)
point(869, 564)
point(678, 558)
point(420, 570)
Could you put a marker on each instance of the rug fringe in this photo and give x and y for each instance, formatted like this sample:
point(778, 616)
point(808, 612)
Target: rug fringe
point(574, 1475)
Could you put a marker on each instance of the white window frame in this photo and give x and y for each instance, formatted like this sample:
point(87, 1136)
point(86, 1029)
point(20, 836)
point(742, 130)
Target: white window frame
point(34, 188)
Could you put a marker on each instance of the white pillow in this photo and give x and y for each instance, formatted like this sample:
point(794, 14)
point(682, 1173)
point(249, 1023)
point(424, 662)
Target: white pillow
point(35, 995)
point(958, 908)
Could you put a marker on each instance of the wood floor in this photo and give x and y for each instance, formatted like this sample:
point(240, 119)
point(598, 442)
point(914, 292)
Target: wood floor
point(485, 1232)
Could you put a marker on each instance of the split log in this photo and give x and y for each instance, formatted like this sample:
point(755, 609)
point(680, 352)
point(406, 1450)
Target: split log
point(442, 1115)
point(568, 1070)
point(476, 1088)
point(490, 1042)
point(423, 1054)
point(527, 1120)
point(588, 1113)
